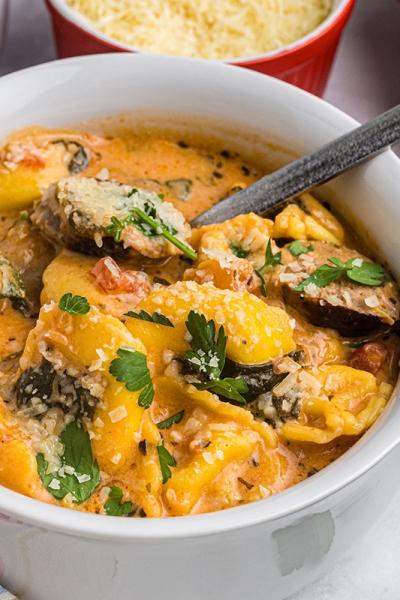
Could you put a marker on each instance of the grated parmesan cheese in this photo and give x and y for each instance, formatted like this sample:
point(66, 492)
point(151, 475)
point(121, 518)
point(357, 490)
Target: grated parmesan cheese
point(205, 28)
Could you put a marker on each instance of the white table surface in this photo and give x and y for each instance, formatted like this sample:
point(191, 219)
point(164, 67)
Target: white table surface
point(365, 81)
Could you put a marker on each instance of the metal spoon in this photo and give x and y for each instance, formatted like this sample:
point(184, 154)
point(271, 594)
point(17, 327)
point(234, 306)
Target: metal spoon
point(320, 166)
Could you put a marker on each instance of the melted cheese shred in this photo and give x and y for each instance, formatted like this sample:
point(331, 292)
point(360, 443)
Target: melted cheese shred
point(205, 28)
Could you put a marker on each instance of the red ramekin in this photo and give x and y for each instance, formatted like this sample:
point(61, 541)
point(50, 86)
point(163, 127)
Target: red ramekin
point(305, 63)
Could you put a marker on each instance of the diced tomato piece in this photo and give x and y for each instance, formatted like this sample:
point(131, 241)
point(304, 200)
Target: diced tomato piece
point(369, 357)
point(115, 280)
point(31, 160)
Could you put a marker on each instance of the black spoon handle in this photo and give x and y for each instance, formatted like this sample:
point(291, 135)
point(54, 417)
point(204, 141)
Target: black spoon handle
point(303, 174)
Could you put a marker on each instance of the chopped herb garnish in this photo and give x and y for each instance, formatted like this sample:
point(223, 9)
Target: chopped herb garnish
point(75, 305)
point(263, 287)
point(24, 216)
point(296, 248)
point(356, 344)
point(144, 316)
point(177, 418)
point(78, 475)
point(131, 368)
point(149, 223)
point(208, 356)
point(117, 226)
point(270, 261)
point(162, 229)
point(114, 507)
point(228, 387)
point(238, 251)
point(166, 461)
point(363, 272)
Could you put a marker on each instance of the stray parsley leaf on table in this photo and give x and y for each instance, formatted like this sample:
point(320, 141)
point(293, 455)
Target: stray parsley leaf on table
point(270, 261)
point(166, 461)
point(366, 273)
point(114, 507)
point(78, 475)
point(208, 356)
point(176, 418)
point(74, 305)
point(144, 316)
point(131, 368)
point(296, 248)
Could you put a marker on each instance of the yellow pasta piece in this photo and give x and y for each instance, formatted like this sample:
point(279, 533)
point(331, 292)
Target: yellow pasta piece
point(70, 271)
point(347, 389)
point(232, 436)
point(187, 483)
point(294, 223)
point(256, 332)
point(20, 187)
point(249, 232)
point(159, 342)
point(173, 390)
point(148, 469)
point(323, 216)
point(92, 340)
point(18, 469)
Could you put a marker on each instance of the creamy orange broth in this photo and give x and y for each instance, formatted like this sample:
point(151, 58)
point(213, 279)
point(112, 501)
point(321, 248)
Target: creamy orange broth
point(225, 453)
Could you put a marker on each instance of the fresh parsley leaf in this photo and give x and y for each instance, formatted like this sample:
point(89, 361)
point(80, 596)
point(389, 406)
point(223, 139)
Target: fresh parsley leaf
point(323, 276)
point(263, 287)
point(144, 316)
point(148, 222)
point(131, 369)
point(166, 460)
point(162, 229)
point(238, 251)
point(271, 259)
point(228, 387)
point(116, 228)
point(78, 475)
point(114, 507)
point(208, 356)
point(367, 273)
point(296, 248)
point(75, 305)
point(176, 418)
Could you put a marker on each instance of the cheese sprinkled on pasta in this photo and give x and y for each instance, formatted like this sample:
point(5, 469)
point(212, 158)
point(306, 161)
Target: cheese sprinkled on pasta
point(205, 28)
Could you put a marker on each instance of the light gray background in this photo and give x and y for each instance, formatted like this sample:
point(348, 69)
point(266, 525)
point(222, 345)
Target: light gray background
point(365, 81)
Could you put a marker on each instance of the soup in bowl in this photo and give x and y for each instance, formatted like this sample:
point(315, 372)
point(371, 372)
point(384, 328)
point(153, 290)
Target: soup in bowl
point(154, 370)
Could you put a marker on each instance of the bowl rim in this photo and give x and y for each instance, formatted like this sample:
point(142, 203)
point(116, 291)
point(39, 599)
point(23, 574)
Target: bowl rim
point(333, 21)
point(374, 445)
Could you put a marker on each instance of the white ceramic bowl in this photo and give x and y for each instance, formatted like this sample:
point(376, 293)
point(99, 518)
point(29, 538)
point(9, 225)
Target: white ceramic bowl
point(268, 549)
